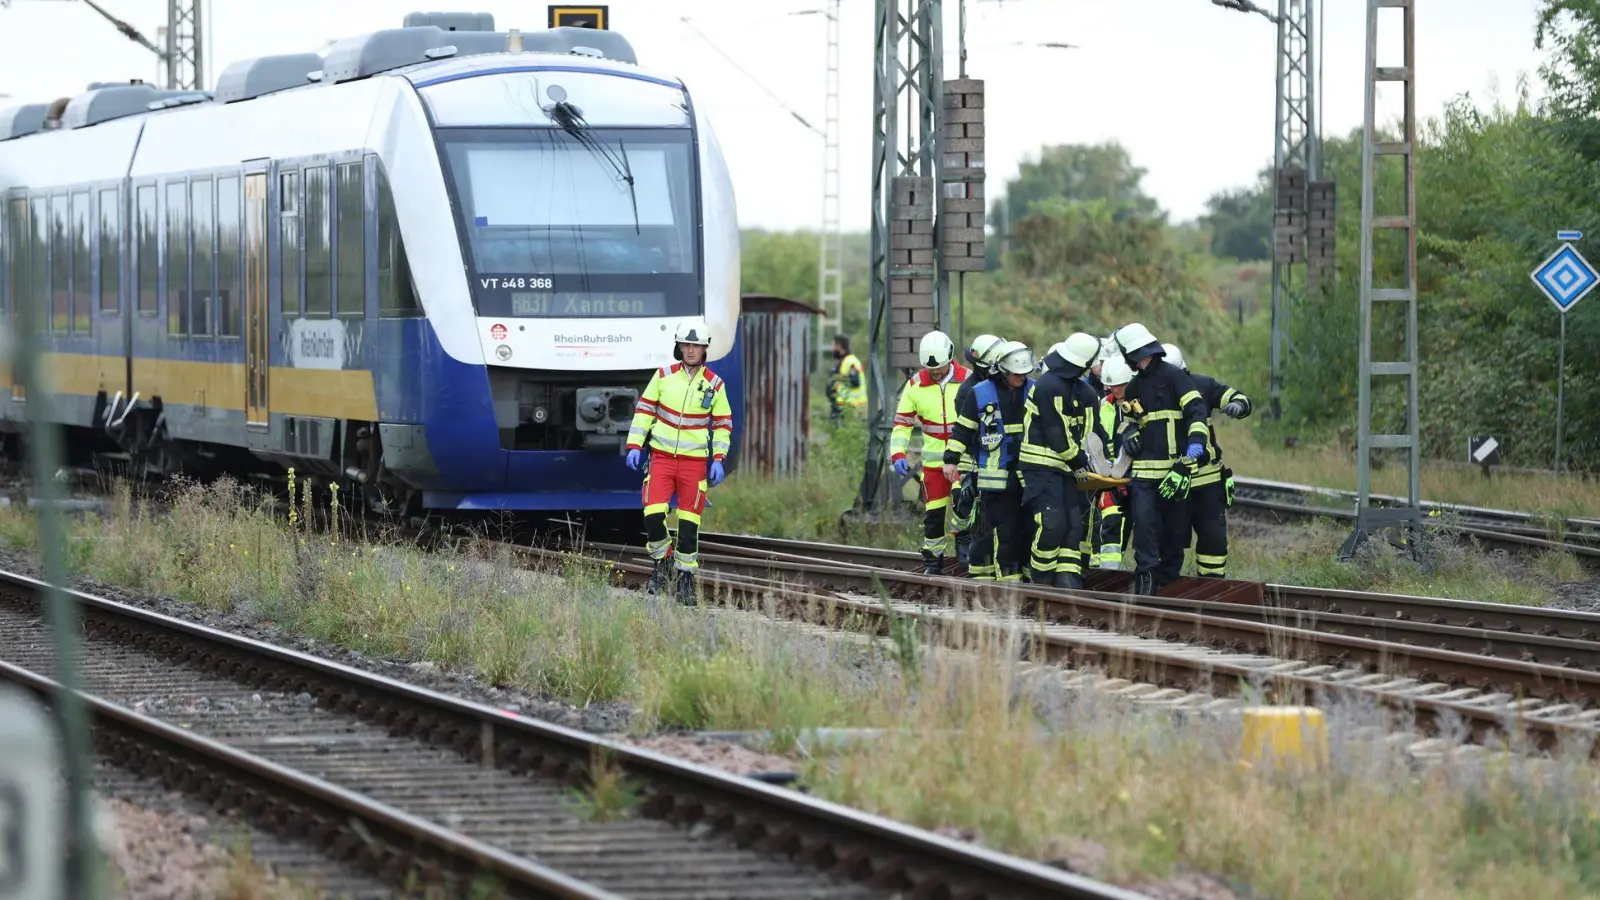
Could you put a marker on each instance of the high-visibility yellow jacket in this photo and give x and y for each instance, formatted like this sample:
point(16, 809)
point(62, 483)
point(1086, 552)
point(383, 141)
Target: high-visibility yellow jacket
point(683, 412)
point(849, 383)
point(931, 406)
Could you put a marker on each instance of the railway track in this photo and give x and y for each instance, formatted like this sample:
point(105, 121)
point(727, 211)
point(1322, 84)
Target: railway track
point(1531, 674)
point(1503, 529)
point(408, 783)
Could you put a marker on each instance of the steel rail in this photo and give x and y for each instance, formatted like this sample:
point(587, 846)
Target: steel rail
point(1160, 660)
point(351, 827)
point(1482, 513)
point(1496, 528)
point(828, 836)
point(1494, 618)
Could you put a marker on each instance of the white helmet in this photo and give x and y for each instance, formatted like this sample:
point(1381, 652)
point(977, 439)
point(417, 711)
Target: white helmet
point(1116, 371)
point(1175, 356)
point(985, 350)
point(1080, 349)
point(694, 331)
point(937, 349)
point(1108, 349)
point(1136, 342)
point(1014, 358)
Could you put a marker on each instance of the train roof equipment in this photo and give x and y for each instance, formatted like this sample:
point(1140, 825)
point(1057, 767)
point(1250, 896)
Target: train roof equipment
point(424, 38)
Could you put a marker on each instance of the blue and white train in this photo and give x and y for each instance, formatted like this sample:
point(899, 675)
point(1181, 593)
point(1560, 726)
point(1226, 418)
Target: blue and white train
point(441, 262)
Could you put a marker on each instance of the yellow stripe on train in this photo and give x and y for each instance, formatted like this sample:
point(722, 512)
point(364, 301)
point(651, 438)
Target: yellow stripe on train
point(333, 393)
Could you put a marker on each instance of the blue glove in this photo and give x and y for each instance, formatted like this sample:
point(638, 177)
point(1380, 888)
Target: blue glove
point(901, 467)
point(716, 472)
point(633, 459)
point(1195, 451)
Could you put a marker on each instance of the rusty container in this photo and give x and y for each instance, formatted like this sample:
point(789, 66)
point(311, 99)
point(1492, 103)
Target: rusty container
point(776, 336)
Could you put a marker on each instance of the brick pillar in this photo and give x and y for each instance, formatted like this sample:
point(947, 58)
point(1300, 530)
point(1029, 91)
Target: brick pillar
point(961, 202)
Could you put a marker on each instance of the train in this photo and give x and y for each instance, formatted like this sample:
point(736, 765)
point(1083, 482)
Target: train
point(438, 263)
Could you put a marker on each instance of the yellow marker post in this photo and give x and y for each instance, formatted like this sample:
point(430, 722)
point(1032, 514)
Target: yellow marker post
point(1285, 733)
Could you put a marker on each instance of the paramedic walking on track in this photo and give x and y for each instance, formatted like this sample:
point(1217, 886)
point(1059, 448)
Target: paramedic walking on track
point(685, 418)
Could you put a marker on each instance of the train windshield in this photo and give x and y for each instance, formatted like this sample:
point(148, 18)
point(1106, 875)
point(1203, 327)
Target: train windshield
point(594, 224)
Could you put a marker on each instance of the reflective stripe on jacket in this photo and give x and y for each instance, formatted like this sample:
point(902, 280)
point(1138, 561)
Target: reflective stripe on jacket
point(1163, 403)
point(683, 412)
point(931, 406)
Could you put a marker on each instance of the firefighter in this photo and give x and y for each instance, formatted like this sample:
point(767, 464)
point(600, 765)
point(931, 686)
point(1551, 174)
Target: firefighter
point(989, 424)
point(847, 388)
point(1111, 526)
point(928, 401)
point(685, 418)
point(982, 356)
point(1168, 448)
point(1057, 413)
point(1211, 490)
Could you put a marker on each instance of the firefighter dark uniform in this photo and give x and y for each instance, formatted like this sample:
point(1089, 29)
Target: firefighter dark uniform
point(1167, 448)
point(964, 499)
point(1055, 420)
point(989, 425)
point(1211, 489)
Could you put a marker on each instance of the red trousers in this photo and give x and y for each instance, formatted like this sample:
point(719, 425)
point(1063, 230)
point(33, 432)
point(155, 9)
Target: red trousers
point(684, 476)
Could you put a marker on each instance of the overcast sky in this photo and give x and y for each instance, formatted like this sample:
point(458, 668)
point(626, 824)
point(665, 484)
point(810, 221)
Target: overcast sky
point(1186, 86)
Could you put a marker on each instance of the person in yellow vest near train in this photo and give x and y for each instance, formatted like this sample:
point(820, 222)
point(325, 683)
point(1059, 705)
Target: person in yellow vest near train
point(685, 419)
point(847, 386)
point(928, 402)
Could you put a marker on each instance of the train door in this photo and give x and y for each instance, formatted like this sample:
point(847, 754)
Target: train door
point(257, 320)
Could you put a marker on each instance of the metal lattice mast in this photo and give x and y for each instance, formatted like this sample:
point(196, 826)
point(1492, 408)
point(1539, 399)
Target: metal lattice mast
point(1295, 166)
point(830, 271)
point(907, 82)
point(185, 55)
point(1368, 517)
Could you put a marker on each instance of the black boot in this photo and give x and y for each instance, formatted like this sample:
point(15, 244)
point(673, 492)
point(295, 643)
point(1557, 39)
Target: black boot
point(686, 588)
point(963, 547)
point(1072, 581)
point(1041, 577)
point(660, 577)
point(1144, 584)
point(931, 564)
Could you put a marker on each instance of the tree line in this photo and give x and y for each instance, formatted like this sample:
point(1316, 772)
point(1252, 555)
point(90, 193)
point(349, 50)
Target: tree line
point(1076, 242)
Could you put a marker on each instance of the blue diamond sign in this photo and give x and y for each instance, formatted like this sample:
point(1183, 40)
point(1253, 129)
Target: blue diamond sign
point(1566, 277)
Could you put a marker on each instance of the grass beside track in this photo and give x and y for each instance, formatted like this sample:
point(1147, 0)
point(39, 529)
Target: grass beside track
point(971, 741)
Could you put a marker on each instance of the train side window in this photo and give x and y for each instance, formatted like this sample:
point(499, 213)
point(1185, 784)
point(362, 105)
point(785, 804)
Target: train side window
point(177, 262)
point(39, 269)
point(202, 274)
point(149, 218)
point(229, 321)
point(110, 256)
point(289, 243)
point(351, 234)
point(319, 256)
point(17, 250)
point(60, 263)
point(397, 296)
point(82, 290)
